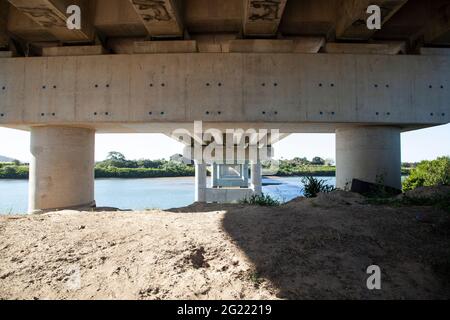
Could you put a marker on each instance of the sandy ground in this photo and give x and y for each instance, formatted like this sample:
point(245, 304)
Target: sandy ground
point(307, 249)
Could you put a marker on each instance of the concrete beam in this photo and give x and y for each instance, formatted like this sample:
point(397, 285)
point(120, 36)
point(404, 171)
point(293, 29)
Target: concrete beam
point(162, 18)
point(52, 16)
point(23, 27)
point(72, 51)
point(214, 43)
point(292, 45)
point(308, 44)
point(263, 17)
point(175, 46)
point(118, 18)
point(352, 18)
point(390, 48)
point(285, 91)
point(261, 46)
point(4, 10)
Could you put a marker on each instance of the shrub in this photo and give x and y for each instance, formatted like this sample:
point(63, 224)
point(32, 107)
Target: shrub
point(428, 174)
point(313, 186)
point(14, 172)
point(261, 200)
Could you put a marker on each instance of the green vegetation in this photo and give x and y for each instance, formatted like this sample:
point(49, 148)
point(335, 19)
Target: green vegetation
point(261, 200)
point(302, 167)
point(318, 167)
point(173, 171)
point(313, 186)
point(429, 173)
point(425, 174)
point(439, 202)
point(117, 166)
point(13, 170)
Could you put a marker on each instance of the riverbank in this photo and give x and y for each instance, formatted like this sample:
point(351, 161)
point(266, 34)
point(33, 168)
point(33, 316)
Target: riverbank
point(142, 194)
point(307, 249)
point(22, 172)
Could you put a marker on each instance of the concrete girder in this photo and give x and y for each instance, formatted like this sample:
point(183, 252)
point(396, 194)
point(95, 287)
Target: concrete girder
point(263, 17)
point(161, 18)
point(52, 16)
point(351, 23)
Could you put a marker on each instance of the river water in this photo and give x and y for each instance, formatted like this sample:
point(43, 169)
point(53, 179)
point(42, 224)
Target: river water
point(141, 194)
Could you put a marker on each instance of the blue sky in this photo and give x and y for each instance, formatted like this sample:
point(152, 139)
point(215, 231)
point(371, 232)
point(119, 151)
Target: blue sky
point(426, 144)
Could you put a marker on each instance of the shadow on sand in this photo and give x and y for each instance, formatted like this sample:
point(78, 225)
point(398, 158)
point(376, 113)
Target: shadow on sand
point(309, 251)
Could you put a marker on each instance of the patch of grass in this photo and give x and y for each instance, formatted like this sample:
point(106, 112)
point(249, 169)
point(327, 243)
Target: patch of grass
point(261, 200)
point(313, 186)
point(440, 202)
point(256, 279)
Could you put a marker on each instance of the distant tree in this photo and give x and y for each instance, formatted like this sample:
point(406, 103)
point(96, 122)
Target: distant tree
point(116, 156)
point(301, 161)
point(17, 163)
point(317, 161)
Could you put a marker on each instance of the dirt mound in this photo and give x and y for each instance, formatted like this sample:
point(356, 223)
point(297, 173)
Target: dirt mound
point(340, 198)
point(308, 249)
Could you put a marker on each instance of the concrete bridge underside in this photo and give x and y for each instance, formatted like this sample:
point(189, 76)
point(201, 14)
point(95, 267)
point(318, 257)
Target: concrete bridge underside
point(156, 66)
point(367, 100)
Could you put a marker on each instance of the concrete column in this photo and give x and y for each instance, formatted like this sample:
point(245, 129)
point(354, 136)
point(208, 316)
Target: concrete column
point(200, 182)
point(214, 175)
point(371, 154)
point(62, 168)
point(256, 182)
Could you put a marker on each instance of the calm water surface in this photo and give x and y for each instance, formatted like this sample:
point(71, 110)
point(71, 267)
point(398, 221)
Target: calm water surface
point(141, 194)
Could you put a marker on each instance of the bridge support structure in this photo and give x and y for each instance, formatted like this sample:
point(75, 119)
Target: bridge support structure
point(62, 168)
point(368, 153)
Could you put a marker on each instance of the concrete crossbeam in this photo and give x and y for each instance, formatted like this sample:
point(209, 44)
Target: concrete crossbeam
point(391, 48)
point(130, 93)
point(72, 51)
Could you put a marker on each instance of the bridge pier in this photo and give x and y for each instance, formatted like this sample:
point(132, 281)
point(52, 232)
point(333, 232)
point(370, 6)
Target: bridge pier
point(200, 182)
point(256, 178)
point(62, 168)
point(371, 154)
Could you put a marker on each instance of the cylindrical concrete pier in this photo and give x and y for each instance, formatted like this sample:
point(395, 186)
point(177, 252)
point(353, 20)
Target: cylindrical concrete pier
point(200, 182)
point(371, 154)
point(256, 177)
point(62, 168)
